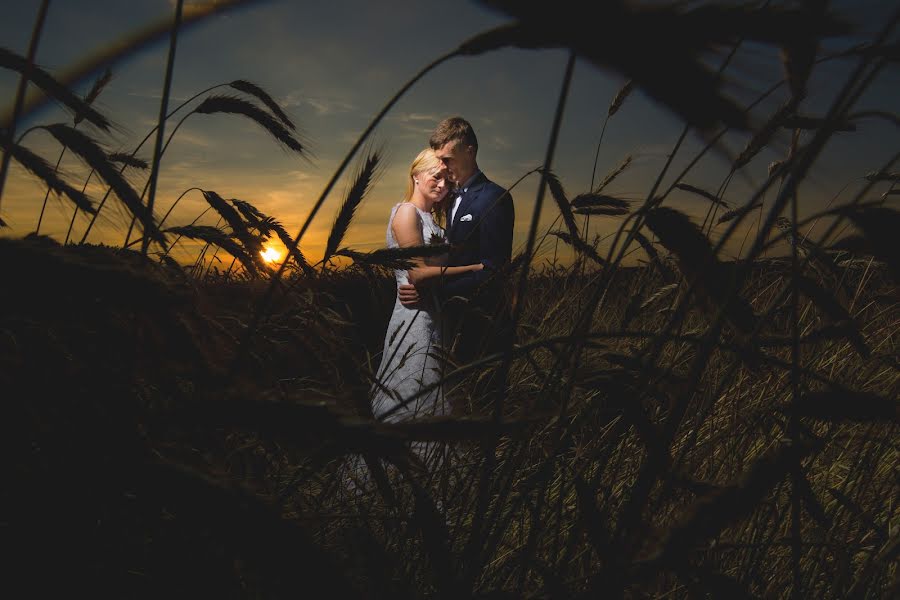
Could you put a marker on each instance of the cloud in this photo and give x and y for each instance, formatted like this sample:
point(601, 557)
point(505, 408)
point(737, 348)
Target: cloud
point(500, 143)
point(193, 139)
point(418, 133)
point(407, 117)
point(297, 176)
point(415, 125)
point(157, 95)
point(323, 105)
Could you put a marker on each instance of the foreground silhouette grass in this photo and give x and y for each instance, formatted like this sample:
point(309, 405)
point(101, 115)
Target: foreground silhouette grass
point(133, 472)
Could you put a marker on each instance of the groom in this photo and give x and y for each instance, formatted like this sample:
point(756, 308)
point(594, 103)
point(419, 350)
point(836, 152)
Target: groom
point(479, 226)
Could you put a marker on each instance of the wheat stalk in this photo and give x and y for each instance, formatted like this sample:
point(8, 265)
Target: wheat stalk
point(217, 237)
point(701, 192)
point(264, 97)
point(266, 224)
point(394, 258)
point(49, 175)
point(92, 154)
point(565, 210)
point(54, 89)
point(365, 177)
point(238, 106)
point(580, 245)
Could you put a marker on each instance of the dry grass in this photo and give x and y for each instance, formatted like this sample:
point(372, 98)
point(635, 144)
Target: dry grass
point(561, 514)
point(692, 428)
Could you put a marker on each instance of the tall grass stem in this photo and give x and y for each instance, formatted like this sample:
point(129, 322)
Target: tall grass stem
point(10, 126)
point(163, 109)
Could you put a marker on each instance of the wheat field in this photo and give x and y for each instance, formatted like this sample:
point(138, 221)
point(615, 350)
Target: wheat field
point(683, 426)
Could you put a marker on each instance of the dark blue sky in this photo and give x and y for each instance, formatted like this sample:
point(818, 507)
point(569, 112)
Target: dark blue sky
point(333, 64)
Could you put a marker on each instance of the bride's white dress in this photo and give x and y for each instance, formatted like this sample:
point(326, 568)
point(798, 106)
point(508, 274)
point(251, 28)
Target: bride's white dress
point(410, 361)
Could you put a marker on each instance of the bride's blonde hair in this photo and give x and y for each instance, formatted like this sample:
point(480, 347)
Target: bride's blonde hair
point(425, 162)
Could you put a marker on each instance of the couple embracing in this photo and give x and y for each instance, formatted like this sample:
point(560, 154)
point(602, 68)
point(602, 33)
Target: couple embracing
point(451, 306)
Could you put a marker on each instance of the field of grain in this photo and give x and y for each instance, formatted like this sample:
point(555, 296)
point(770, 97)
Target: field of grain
point(688, 427)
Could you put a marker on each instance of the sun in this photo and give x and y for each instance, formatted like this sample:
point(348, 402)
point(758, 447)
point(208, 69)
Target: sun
point(270, 255)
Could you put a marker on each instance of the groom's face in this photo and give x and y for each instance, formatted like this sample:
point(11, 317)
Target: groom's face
point(459, 160)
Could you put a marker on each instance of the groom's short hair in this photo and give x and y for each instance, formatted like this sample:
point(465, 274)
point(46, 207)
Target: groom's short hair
point(453, 129)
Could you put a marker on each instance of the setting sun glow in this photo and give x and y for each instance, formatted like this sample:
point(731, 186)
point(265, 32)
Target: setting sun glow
point(270, 255)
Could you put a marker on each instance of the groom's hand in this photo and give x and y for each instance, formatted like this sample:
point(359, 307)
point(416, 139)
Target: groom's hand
point(409, 295)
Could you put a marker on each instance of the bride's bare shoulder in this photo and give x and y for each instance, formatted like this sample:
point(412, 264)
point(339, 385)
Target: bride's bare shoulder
point(405, 216)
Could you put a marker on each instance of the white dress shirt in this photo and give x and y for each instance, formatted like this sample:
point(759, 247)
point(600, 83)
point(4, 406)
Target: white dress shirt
point(458, 200)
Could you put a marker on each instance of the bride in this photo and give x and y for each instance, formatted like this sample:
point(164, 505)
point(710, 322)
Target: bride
point(409, 361)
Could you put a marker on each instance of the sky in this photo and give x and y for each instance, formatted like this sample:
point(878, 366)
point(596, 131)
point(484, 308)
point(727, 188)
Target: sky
point(332, 66)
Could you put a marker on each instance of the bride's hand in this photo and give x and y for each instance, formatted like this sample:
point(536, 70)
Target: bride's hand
point(409, 295)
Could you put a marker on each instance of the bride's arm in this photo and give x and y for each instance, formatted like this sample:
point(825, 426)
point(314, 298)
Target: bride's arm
point(408, 232)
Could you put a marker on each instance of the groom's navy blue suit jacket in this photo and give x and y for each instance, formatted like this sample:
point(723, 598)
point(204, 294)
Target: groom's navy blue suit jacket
point(482, 232)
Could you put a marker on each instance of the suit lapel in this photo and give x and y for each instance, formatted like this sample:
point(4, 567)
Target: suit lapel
point(448, 213)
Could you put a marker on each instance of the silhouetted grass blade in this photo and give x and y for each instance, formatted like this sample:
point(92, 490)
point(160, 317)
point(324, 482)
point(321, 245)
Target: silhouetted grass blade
point(94, 92)
point(796, 121)
point(709, 515)
point(682, 237)
point(610, 211)
point(611, 176)
point(89, 151)
point(701, 192)
point(696, 260)
point(736, 212)
point(662, 292)
point(364, 179)
point(43, 170)
point(880, 226)
point(264, 97)
point(394, 258)
point(842, 406)
point(882, 176)
point(859, 512)
point(565, 211)
point(265, 225)
point(853, 244)
point(798, 55)
point(834, 310)
point(239, 228)
point(653, 255)
point(237, 106)
point(217, 237)
point(252, 214)
point(619, 99)
point(592, 200)
point(667, 77)
point(580, 245)
point(278, 547)
point(129, 160)
point(890, 51)
point(457, 428)
point(675, 75)
point(812, 504)
point(599, 204)
point(54, 89)
point(762, 136)
point(435, 536)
